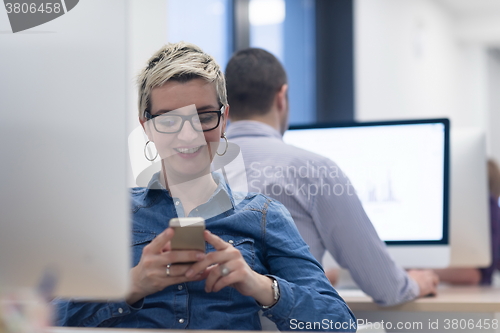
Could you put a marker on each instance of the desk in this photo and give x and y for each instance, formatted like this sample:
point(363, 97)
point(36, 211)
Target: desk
point(449, 299)
point(476, 304)
point(462, 304)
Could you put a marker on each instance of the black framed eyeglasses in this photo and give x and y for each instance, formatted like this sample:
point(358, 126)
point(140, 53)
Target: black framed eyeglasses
point(172, 123)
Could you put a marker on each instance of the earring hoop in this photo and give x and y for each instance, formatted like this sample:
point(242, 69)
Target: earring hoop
point(146, 155)
point(227, 144)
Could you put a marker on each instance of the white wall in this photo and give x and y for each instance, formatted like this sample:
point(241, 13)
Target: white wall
point(422, 59)
point(481, 25)
point(147, 33)
point(408, 63)
point(472, 95)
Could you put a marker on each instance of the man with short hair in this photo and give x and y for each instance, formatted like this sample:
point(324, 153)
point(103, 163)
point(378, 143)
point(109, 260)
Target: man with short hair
point(257, 92)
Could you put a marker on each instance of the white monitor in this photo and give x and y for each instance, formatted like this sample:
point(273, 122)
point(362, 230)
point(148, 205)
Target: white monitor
point(64, 203)
point(400, 172)
point(470, 235)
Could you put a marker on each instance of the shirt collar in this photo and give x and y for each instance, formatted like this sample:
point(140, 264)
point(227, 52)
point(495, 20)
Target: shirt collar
point(251, 128)
point(219, 202)
point(155, 184)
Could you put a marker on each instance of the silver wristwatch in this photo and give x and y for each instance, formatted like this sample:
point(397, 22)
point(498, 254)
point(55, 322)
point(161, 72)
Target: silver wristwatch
point(276, 291)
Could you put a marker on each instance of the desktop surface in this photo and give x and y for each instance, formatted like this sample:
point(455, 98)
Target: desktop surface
point(448, 299)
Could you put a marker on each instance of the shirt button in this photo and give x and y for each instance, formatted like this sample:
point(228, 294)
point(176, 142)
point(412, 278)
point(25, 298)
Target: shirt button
point(177, 203)
point(120, 310)
point(181, 320)
point(231, 242)
point(179, 287)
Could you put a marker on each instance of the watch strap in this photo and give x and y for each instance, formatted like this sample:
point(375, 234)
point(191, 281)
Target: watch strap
point(276, 291)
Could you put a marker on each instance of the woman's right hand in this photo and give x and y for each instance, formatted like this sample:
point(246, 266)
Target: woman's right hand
point(150, 275)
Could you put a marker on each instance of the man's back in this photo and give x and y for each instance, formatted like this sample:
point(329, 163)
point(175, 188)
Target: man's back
point(325, 209)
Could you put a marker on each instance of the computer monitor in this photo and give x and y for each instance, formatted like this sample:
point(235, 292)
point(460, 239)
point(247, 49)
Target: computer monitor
point(400, 172)
point(64, 203)
point(470, 236)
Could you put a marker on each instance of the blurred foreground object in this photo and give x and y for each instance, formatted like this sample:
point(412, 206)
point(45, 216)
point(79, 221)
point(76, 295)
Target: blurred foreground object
point(24, 311)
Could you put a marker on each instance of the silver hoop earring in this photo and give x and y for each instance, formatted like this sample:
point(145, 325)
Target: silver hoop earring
point(227, 144)
point(146, 155)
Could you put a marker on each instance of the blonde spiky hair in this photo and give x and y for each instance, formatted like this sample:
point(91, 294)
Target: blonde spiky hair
point(179, 62)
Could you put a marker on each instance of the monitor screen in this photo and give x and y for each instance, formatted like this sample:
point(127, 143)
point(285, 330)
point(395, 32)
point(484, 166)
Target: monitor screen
point(399, 170)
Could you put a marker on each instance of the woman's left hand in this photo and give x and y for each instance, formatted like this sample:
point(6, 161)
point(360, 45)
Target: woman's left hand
point(228, 259)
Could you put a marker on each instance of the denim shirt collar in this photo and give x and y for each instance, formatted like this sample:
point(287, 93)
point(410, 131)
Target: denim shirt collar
point(252, 128)
point(219, 202)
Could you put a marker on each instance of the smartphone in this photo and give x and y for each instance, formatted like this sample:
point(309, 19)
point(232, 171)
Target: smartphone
point(188, 234)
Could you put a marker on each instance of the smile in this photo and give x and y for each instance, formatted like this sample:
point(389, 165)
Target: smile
point(188, 150)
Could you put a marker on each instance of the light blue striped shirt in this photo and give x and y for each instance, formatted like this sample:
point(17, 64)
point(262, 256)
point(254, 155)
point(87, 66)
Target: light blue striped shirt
point(325, 209)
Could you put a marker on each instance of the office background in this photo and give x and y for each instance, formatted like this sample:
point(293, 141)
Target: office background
point(350, 59)
point(409, 59)
point(376, 59)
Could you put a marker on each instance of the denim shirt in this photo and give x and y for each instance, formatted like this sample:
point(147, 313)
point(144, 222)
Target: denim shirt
point(262, 229)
